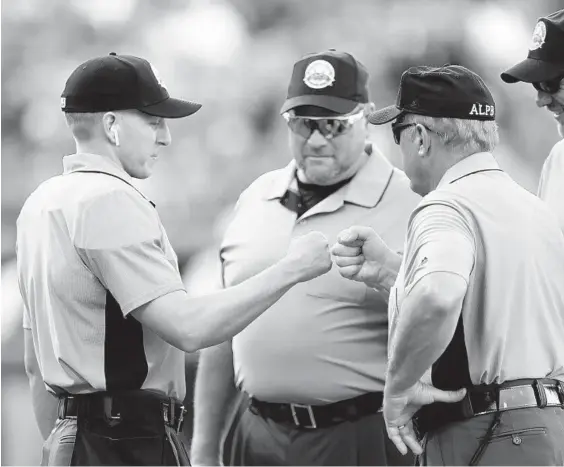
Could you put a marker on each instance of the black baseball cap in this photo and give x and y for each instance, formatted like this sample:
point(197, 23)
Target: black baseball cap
point(333, 80)
point(546, 53)
point(449, 91)
point(121, 82)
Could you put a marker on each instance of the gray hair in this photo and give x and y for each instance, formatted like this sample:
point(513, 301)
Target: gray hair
point(466, 135)
point(82, 124)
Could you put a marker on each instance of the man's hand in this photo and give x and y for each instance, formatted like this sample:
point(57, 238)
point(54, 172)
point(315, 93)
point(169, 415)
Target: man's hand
point(309, 256)
point(362, 256)
point(400, 408)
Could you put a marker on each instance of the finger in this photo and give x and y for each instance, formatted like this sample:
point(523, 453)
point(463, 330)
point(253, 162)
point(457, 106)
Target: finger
point(344, 261)
point(395, 437)
point(410, 439)
point(342, 250)
point(446, 396)
point(349, 272)
point(355, 234)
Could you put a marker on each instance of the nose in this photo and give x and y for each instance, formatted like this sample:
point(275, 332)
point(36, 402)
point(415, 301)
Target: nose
point(543, 98)
point(163, 135)
point(317, 140)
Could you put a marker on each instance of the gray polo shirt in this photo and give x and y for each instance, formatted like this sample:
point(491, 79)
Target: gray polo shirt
point(91, 249)
point(324, 340)
point(507, 245)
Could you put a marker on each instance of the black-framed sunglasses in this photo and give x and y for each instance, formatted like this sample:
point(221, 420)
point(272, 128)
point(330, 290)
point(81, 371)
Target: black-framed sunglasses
point(328, 127)
point(551, 86)
point(397, 128)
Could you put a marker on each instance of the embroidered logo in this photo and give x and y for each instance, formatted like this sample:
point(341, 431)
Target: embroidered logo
point(539, 36)
point(319, 74)
point(157, 76)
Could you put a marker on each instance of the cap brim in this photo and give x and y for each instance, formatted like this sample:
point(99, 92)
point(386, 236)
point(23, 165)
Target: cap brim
point(531, 70)
point(172, 108)
point(385, 115)
point(332, 103)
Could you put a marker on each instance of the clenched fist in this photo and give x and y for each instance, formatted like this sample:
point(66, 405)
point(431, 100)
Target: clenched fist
point(362, 256)
point(309, 256)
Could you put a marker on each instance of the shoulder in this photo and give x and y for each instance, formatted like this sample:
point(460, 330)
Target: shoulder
point(263, 185)
point(556, 156)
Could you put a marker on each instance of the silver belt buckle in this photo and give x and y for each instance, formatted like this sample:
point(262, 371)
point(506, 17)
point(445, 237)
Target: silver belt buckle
point(313, 423)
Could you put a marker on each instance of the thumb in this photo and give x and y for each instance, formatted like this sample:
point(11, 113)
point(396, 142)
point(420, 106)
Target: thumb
point(439, 395)
point(355, 235)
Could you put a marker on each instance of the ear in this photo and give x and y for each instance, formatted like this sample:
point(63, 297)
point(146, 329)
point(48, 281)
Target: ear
point(422, 139)
point(109, 122)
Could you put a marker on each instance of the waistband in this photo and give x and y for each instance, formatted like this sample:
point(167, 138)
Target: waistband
point(319, 416)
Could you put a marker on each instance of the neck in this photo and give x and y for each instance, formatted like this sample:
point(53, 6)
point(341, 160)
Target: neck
point(445, 162)
point(101, 148)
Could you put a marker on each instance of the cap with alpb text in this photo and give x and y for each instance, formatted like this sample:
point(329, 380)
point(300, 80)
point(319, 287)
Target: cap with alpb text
point(121, 82)
point(545, 60)
point(333, 80)
point(450, 91)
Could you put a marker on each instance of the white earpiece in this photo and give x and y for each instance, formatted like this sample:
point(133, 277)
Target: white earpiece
point(116, 136)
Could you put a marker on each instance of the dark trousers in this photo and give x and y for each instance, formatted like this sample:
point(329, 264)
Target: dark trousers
point(531, 436)
point(254, 440)
point(95, 441)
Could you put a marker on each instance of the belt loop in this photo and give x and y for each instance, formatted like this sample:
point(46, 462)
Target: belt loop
point(111, 419)
point(540, 393)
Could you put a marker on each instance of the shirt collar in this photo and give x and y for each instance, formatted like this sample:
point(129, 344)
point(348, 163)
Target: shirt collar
point(365, 189)
point(477, 162)
point(86, 162)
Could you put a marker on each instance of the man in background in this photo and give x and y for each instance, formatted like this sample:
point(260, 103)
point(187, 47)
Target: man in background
point(311, 372)
point(544, 69)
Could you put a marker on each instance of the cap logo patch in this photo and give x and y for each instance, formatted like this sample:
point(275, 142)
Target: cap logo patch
point(157, 76)
point(482, 110)
point(319, 74)
point(539, 36)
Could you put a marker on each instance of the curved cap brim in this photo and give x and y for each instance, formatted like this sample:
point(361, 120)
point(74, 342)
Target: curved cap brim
point(531, 70)
point(332, 103)
point(172, 108)
point(385, 115)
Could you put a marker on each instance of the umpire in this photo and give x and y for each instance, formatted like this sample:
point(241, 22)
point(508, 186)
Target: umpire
point(478, 305)
point(107, 319)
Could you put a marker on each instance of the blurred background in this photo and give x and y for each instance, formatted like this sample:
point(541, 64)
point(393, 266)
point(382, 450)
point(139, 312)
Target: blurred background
point(235, 57)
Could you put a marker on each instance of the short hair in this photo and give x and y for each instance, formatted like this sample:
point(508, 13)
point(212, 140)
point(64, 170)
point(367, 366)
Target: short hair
point(467, 135)
point(82, 123)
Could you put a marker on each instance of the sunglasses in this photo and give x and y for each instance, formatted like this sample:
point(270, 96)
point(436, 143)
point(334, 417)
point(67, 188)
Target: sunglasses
point(397, 128)
point(328, 127)
point(551, 86)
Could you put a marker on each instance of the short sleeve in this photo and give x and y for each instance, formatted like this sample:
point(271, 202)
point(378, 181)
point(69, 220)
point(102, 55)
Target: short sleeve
point(439, 239)
point(118, 236)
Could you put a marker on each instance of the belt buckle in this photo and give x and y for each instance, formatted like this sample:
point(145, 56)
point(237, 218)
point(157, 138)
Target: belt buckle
point(313, 423)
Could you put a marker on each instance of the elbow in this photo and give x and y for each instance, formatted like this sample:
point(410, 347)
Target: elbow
point(444, 297)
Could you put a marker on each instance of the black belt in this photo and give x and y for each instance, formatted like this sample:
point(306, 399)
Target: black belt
point(113, 407)
point(319, 416)
point(481, 400)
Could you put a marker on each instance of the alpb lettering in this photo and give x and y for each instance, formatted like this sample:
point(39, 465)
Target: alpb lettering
point(482, 110)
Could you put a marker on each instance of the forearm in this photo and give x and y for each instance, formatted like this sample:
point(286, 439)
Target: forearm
point(44, 405)
point(214, 394)
point(427, 321)
point(218, 317)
